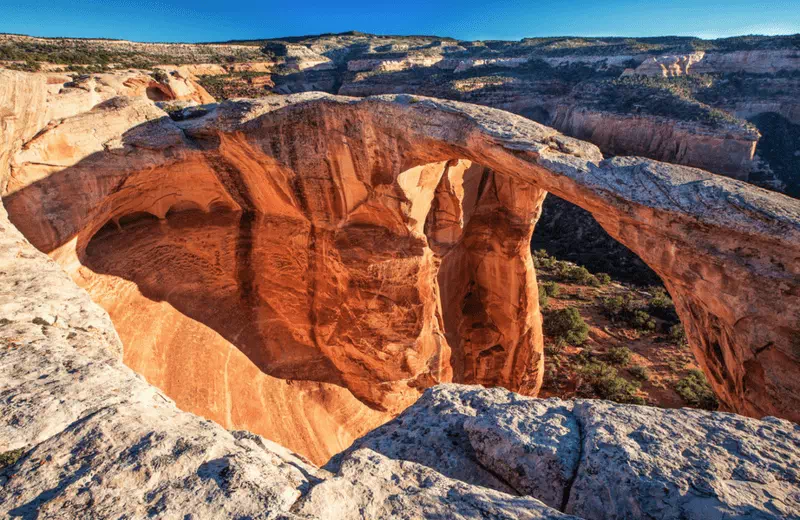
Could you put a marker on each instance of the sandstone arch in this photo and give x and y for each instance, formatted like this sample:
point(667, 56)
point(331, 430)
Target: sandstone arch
point(346, 175)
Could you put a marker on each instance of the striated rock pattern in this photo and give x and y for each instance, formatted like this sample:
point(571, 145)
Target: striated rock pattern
point(323, 248)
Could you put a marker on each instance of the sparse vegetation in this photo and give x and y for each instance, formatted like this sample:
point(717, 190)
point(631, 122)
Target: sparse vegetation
point(576, 274)
point(642, 321)
point(104, 54)
point(542, 260)
point(552, 289)
point(160, 76)
point(598, 378)
point(620, 355)
point(661, 305)
point(677, 335)
point(639, 372)
point(670, 97)
point(695, 390)
point(556, 347)
point(26, 66)
point(10, 458)
point(543, 299)
point(627, 309)
point(566, 324)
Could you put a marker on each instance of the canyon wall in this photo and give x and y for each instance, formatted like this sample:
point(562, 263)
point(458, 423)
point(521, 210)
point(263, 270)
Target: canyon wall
point(332, 248)
point(750, 61)
point(729, 153)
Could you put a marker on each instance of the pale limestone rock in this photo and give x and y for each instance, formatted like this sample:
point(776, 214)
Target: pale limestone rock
point(371, 485)
point(646, 462)
point(532, 445)
point(443, 443)
point(597, 459)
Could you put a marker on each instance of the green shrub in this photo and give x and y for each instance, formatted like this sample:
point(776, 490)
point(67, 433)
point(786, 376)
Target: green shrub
point(160, 76)
point(695, 390)
point(620, 355)
point(626, 309)
point(552, 289)
point(10, 458)
point(661, 305)
point(543, 299)
point(577, 274)
point(555, 348)
point(618, 307)
point(642, 321)
point(541, 260)
point(603, 278)
point(27, 66)
point(583, 357)
point(677, 334)
point(566, 324)
point(639, 372)
point(602, 380)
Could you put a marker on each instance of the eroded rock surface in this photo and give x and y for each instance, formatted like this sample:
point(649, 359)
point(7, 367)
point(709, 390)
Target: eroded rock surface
point(371, 485)
point(596, 459)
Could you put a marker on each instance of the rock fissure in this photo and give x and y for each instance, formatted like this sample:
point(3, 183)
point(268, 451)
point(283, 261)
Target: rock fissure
point(576, 469)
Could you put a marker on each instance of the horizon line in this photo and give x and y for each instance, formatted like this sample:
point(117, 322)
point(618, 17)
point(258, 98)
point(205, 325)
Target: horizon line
point(357, 33)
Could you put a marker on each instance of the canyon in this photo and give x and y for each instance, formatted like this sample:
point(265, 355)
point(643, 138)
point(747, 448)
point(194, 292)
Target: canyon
point(323, 280)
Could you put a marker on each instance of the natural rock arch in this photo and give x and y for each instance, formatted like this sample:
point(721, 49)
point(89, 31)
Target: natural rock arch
point(345, 175)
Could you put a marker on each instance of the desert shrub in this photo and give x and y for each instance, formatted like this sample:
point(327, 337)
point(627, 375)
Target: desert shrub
point(552, 289)
point(695, 390)
point(160, 76)
point(543, 298)
point(639, 372)
point(677, 334)
point(566, 324)
point(10, 458)
point(626, 309)
point(555, 348)
point(583, 357)
point(541, 260)
point(620, 355)
point(603, 278)
point(615, 307)
point(661, 305)
point(577, 274)
point(27, 66)
point(602, 380)
point(642, 321)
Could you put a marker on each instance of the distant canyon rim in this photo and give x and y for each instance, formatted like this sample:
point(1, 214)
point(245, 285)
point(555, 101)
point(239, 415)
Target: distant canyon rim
point(305, 266)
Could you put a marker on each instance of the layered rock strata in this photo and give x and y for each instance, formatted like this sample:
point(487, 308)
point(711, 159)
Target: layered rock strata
point(725, 152)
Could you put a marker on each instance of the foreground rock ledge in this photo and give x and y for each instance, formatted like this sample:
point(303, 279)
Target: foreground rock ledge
point(380, 246)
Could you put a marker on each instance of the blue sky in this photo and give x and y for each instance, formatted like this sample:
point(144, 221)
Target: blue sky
point(202, 20)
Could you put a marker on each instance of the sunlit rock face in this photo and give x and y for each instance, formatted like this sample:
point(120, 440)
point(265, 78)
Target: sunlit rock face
point(304, 266)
